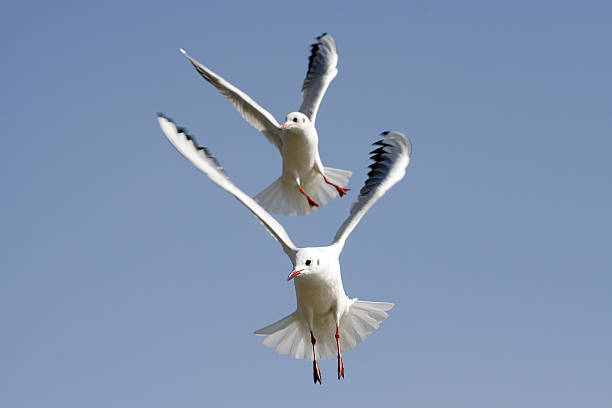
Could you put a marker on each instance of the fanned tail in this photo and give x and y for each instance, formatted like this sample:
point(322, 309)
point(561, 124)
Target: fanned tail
point(283, 196)
point(362, 319)
point(288, 336)
point(291, 335)
point(338, 176)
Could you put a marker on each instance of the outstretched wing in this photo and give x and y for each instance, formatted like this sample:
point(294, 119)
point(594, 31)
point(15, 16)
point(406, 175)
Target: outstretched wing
point(257, 116)
point(390, 161)
point(321, 70)
point(200, 158)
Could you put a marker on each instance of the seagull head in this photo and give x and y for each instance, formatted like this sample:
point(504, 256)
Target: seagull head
point(296, 121)
point(308, 261)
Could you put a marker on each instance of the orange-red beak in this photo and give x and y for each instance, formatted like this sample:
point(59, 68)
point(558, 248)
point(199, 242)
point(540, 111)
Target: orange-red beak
point(284, 126)
point(293, 274)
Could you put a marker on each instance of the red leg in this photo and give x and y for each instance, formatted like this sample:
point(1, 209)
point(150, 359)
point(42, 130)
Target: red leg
point(311, 202)
point(340, 362)
point(342, 191)
point(316, 373)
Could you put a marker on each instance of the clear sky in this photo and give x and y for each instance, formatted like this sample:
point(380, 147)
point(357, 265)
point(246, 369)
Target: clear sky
point(128, 279)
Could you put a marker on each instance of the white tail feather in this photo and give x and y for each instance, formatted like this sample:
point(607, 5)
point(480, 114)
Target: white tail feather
point(338, 176)
point(283, 196)
point(291, 334)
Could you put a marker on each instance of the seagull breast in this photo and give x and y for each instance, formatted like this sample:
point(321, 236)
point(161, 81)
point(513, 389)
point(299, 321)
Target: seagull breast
point(300, 148)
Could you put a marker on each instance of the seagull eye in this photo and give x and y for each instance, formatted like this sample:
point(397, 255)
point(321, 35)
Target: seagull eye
point(308, 262)
point(295, 119)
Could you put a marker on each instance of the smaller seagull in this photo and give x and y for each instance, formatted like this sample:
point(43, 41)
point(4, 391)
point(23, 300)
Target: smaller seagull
point(325, 316)
point(305, 183)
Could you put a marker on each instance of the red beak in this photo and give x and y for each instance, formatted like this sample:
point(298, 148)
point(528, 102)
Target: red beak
point(293, 274)
point(284, 126)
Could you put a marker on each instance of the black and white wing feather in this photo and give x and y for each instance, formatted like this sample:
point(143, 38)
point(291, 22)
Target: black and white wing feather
point(202, 159)
point(390, 161)
point(321, 70)
point(257, 116)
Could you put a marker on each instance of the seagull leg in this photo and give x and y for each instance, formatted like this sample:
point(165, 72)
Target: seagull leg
point(311, 202)
point(340, 362)
point(316, 373)
point(341, 190)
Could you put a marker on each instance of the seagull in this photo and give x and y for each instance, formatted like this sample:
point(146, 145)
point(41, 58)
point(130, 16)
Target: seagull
point(325, 317)
point(305, 183)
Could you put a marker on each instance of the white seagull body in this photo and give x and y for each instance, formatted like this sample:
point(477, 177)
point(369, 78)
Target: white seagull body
point(305, 183)
point(325, 315)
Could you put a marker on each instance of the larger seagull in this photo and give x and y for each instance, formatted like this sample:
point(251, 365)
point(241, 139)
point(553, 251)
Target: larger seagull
point(305, 183)
point(325, 316)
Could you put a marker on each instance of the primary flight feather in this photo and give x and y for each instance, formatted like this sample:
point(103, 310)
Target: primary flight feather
point(326, 322)
point(305, 183)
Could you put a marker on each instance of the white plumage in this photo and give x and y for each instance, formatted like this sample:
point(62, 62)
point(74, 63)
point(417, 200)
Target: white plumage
point(326, 319)
point(305, 183)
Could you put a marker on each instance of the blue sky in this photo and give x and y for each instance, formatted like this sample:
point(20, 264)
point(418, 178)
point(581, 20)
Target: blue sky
point(129, 280)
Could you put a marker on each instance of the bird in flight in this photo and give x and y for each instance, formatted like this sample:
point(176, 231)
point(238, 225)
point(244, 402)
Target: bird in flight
point(305, 183)
point(326, 322)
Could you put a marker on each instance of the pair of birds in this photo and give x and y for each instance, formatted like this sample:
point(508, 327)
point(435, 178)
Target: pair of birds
point(326, 322)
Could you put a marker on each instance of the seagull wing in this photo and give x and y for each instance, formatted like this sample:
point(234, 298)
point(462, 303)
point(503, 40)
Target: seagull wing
point(257, 116)
point(321, 70)
point(390, 161)
point(201, 158)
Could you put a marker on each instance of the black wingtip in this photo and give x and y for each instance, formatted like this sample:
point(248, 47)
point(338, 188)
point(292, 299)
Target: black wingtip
point(314, 49)
point(162, 116)
point(199, 148)
point(379, 143)
point(377, 150)
point(179, 129)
